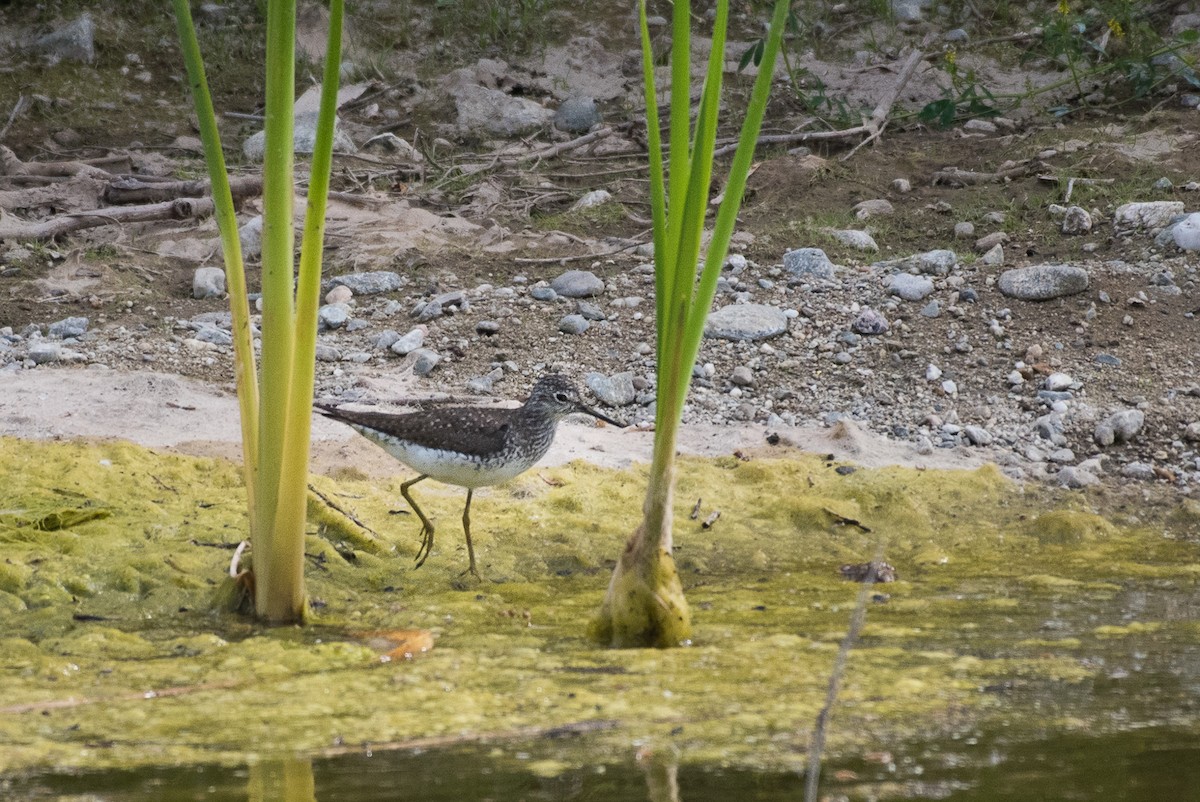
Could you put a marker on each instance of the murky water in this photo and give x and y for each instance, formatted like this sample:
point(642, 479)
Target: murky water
point(1143, 765)
point(1034, 646)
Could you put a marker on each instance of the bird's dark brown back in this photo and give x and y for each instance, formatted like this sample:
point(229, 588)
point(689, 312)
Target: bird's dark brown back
point(467, 430)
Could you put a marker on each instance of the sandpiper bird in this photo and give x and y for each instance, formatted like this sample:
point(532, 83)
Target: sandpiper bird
point(468, 446)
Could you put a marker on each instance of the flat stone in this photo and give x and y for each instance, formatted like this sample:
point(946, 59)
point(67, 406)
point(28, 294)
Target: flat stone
point(597, 197)
point(746, 322)
point(1043, 282)
point(977, 435)
point(574, 324)
point(341, 294)
point(578, 284)
point(989, 241)
point(852, 238)
point(45, 352)
point(808, 263)
point(910, 287)
point(327, 353)
point(875, 207)
point(742, 376)
point(370, 283)
point(615, 391)
point(1075, 477)
point(933, 263)
point(1151, 214)
point(403, 346)
point(994, 256)
point(69, 327)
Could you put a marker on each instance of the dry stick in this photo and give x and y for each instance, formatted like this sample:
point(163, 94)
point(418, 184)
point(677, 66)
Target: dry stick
point(11, 165)
point(76, 191)
point(954, 176)
point(17, 108)
point(136, 190)
point(178, 209)
point(872, 126)
point(812, 773)
point(878, 119)
point(340, 509)
point(550, 260)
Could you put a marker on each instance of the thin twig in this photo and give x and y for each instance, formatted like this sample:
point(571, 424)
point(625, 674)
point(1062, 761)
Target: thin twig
point(17, 108)
point(812, 773)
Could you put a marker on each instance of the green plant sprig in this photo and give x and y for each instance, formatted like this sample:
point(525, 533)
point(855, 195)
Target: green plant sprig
point(276, 414)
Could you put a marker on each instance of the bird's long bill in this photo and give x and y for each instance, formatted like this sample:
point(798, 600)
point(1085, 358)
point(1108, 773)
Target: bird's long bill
point(601, 416)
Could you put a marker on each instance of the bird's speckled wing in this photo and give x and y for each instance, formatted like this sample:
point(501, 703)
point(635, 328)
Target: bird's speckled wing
point(466, 430)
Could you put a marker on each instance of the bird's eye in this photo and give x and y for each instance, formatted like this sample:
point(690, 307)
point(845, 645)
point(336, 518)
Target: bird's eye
point(561, 398)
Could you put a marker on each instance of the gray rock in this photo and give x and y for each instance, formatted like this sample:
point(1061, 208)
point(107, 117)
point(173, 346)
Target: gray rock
point(495, 113)
point(977, 435)
point(746, 322)
point(870, 322)
point(304, 138)
point(590, 310)
point(403, 346)
point(75, 41)
point(1192, 432)
point(542, 292)
point(1138, 470)
point(980, 125)
point(214, 335)
point(908, 10)
point(1043, 282)
point(964, 230)
point(1152, 214)
point(852, 238)
point(371, 283)
point(933, 263)
point(574, 324)
point(577, 115)
point(482, 385)
point(425, 361)
point(989, 241)
point(250, 235)
point(902, 185)
point(742, 376)
point(428, 310)
point(875, 207)
point(69, 327)
point(333, 316)
point(597, 197)
point(487, 328)
point(578, 284)
point(910, 287)
point(1186, 233)
point(615, 391)
point(1119, 427)
point(956, 35)
point(1076, 220)
point(386, 339)
point(208, 282)
point(931, 309)
point(1062, 456)
point(808, 263)
point(327, 353)
point(994, 256)
point(43, 353)
point(1058, 381)
point(1075, 477)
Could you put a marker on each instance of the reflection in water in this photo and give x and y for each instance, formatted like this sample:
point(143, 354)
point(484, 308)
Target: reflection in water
point(288, 779)
point(662, 778)
point(1143, 765)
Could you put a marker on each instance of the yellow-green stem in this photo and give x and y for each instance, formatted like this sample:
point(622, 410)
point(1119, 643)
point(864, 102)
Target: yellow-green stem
point(293, 479)
point(278, 593)
point(231, 247)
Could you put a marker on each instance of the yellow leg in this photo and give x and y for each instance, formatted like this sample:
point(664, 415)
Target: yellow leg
point(467, 530)
point(426, 524)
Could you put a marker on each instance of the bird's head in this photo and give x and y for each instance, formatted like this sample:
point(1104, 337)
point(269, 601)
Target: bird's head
point(558, 396)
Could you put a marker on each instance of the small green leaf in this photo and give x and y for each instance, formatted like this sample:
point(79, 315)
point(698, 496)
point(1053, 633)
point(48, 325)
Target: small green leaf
point(1190, 36)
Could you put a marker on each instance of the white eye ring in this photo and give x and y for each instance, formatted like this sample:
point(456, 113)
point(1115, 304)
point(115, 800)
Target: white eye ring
point(561, 397)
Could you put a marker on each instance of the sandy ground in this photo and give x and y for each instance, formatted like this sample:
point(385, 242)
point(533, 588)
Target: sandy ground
point(189, 417)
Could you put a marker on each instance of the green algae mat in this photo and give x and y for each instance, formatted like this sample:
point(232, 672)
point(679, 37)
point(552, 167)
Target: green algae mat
point(1041, 614)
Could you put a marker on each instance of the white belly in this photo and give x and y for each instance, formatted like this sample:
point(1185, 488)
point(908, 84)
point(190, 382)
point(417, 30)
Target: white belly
point(452, 468)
